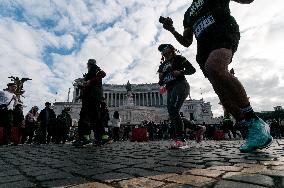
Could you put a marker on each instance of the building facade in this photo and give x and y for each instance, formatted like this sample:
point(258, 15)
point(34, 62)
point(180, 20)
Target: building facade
point(139, 102)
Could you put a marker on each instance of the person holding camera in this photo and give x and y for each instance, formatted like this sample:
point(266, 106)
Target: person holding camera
point(90, 116)
point(217, 34)
point(172, 73)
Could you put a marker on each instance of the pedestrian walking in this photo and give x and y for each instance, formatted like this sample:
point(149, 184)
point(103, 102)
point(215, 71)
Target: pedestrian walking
point(63, 124)
point(116, 120)
point(30, 125)
point(47, 120)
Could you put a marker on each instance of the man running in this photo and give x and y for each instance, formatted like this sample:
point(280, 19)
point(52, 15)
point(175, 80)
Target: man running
point(217, 34)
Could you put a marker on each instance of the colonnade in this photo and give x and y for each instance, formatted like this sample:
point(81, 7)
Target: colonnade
point(139, 99)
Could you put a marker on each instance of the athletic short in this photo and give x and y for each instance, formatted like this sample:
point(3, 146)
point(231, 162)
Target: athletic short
point(209, 43)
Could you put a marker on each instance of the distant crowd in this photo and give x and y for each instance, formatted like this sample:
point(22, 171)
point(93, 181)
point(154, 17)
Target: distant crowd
point(44, 126)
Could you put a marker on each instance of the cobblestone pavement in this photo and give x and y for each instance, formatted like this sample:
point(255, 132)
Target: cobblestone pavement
point(215, 164)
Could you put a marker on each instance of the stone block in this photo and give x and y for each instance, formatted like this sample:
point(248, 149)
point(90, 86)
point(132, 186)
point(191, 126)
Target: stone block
point(232, 184)
point(91, 185)
point(253, 179)
point(18, 184)
point(226, 168)
point(191, 180)
point(276, 173)
point(140, 182)
point(6, 179)
point(205, 172)
point(162, 176)
point(112, 176)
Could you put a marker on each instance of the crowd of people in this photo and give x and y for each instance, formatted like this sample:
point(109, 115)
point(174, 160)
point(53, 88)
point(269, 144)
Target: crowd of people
point(41, 127)
point(44, 127)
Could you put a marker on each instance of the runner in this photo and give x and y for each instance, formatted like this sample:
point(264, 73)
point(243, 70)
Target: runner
point(171, 75)
point(217, 34)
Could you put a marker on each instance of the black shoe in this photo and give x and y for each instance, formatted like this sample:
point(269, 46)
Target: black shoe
point(81, 143)
point(76, 142)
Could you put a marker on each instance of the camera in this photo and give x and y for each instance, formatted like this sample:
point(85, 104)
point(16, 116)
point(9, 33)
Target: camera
point(162, 19)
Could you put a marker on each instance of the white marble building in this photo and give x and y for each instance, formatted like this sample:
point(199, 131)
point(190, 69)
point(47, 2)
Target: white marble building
point(139, 102)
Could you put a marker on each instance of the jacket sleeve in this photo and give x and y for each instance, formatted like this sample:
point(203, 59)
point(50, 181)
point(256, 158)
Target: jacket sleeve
point(100, 75)
point(40, 117)
point(188, 68)
point(243, 1)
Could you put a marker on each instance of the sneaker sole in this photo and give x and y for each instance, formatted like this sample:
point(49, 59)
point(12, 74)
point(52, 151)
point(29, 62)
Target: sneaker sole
point(177, 148)
point(267, 144)
point(83, 146)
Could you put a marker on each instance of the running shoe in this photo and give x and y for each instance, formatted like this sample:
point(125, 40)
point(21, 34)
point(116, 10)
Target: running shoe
point(81, 143)
point(178, 144)
point(258, 136)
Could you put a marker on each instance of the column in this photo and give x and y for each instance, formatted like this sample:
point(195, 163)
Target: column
point(155, 98)
point(149, 94)
point(147, 98)
point(106, 98)
point(112, 99)
point(115, 99)
point(139, 102)
point(142, 95)
point(123, 102)
point(152, 99)
point(120, 99)
point(109, 99)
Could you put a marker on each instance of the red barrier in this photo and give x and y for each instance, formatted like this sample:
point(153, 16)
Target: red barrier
point(140, 135)
point(219, 135)
point(15, 136)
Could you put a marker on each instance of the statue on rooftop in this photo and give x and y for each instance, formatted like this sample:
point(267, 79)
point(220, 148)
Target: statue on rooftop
point(128, 87)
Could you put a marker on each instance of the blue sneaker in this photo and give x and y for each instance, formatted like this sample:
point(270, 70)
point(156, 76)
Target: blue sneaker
point(258, 136)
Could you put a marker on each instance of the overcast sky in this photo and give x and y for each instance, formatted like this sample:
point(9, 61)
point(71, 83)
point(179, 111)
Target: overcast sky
point(50, 42)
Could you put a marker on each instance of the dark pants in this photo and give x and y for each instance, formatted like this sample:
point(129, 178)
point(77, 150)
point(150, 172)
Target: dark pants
point(61, 133)
point(175, 98)
point(23, 133)
point(90, 118)
point(6, 121)
point(126, 133)
point(46, 134)
point(116, 133)
point(30, 129)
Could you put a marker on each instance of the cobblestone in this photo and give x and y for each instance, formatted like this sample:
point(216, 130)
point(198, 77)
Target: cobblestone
point(210, 164)
point(254, 179)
